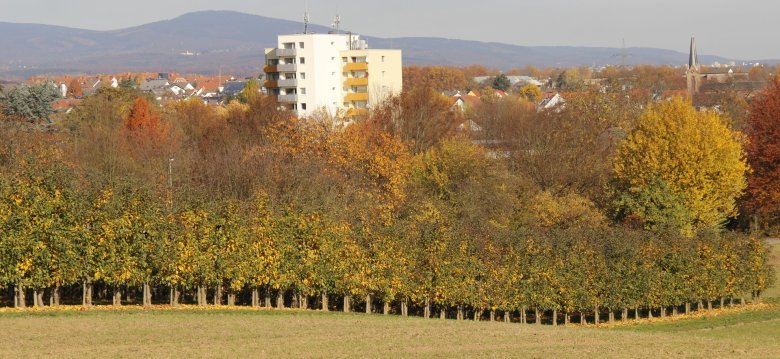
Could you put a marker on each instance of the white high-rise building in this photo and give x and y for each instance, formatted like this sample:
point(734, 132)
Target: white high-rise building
point(332, 72)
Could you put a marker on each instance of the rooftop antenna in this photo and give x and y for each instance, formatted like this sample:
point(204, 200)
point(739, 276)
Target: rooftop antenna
point(336, 23)
point(306, 19)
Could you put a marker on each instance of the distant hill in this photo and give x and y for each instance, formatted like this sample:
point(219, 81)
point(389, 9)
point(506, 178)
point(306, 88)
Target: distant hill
point(235, 42)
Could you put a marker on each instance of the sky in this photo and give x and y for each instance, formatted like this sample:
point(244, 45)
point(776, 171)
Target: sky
point(744, 29)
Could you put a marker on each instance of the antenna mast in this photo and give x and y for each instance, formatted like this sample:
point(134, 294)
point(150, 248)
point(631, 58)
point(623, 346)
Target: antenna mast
point(306, 21)
point(336, 23)
point(624, 54)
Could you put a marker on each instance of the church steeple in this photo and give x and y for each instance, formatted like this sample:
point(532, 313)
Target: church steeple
point(693, 59)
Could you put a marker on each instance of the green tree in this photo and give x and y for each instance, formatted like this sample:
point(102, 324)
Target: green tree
point(501, 82)
point(30, 102)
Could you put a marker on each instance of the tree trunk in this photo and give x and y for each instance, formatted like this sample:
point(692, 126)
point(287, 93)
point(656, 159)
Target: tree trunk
point(218, 295)
point(700, 305)
point(280, 299)
point(147, 302)
point(611, 316)
point(596, 315)
point(347, 303)
point(555, 317)
point(523, 315)
point(687, 308)
point(566, 318)
point(583, 319)
point(386, 307)
point(674, 311)
point(442, 313)
point(492, 315)
point(460, 312)
point(477, 314)
point(54, 300)
point(742, 301)
point(202, 296)
point(303, 301)
point(427, 309)
point(174, 296)
point(296, 303)
point(324, 300)
point(404, 308)
point(731, 302)
point(255, 297)
point(117, 296)
point(709, 304)
point(36, 298)
point(721, 303)
point(650, 313)
point(268, 298)
point(86, 294)
point(537, 316)
point(663, 312)
point(231, 298)
point(368, 303)
point(507, 316)
point(624, 315)
point(636, 313)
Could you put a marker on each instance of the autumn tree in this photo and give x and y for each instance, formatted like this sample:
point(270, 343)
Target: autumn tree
point(763, 154)
point(693, 153)
point(439, 78)
point(531, 92)
point(75, 89)
point(420, 117)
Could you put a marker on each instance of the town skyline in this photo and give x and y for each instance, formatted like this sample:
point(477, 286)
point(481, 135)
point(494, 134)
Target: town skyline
point(720, 28)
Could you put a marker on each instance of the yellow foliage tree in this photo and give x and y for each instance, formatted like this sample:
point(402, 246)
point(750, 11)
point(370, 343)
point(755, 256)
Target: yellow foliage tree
point(694, 153)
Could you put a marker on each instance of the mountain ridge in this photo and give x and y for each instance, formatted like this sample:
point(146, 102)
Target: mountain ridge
point(207, 41)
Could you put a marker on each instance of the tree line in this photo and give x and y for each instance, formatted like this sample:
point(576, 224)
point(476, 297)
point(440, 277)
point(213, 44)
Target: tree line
point(601, 207)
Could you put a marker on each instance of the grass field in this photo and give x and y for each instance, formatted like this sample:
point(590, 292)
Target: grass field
point(298, 334)
point(133, 333)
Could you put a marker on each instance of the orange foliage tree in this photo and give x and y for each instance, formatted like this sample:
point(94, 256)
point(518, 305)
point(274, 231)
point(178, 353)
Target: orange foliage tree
point(763, 153)
point(143, 129)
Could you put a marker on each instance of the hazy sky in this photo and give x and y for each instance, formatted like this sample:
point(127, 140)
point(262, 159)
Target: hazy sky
point(745, 29)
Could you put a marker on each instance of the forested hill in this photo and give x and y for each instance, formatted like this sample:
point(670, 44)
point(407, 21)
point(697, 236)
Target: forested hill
point(205, 41)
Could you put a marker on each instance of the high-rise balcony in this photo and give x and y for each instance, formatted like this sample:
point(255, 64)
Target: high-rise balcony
point(356, 96)
point(288, 83)
point(287, 67)
point(270, 84)
point(354, 81)
point(356, 112)
point(270, 69)
point(356, 66)
point(287, 98)
point(286, 52)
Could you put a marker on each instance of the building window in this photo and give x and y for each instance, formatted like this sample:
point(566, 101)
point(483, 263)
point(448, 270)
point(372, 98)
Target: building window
point(303, 61)
point(383, 59)
point(303, 90)
point(344, 60)
point(303, 106)
point(303, 76)
point(300, 45)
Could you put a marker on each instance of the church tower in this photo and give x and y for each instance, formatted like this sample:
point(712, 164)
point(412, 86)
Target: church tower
point(693, 75)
